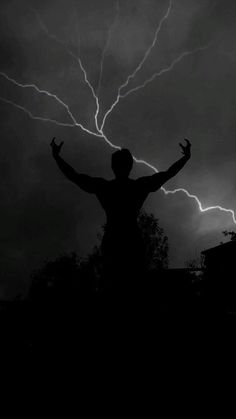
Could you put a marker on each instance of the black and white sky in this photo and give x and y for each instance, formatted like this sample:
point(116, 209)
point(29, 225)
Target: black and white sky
point(47, 44)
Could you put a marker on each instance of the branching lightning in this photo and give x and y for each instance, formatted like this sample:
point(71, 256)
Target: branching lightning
point(75, 57)
point(105, 49)
point(139, 66)
point(164, 70)
point(100, 130)
point(40, 118)
point(47, 93)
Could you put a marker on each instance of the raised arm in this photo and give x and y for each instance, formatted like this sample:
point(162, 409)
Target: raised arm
point(85, 182)
point(154, 182)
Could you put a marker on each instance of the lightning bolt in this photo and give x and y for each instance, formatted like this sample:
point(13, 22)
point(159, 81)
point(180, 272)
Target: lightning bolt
point(40, 118)
point(75, 57)
point(47, 93)
point(107, 46)
point(139, 66)
point(192, 196)
point(148, 51)
point(164, 70)
point(100, 130)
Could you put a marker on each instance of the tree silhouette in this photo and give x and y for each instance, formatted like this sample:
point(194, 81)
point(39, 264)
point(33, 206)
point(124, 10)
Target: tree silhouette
point(155, 241)
point(231, 234)
point(68, 276)
point(63, 279)
point(55, 278)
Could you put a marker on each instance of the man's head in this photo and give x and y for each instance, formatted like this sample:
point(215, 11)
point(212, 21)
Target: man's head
point(122, 163)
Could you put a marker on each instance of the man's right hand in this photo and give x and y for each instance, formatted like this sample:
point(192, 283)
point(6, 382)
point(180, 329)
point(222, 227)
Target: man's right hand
point(56, 148)
point(186, 149)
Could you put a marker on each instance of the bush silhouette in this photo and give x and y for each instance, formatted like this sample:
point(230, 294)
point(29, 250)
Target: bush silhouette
point(67, 277)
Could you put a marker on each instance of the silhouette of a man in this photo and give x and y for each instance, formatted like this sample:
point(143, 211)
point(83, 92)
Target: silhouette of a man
point(121, 199)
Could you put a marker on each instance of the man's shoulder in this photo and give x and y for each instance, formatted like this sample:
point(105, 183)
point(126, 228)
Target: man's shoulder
point(142, 180)
point(99, 184)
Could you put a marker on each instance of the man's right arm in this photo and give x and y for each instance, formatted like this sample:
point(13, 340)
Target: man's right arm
point(85, 182)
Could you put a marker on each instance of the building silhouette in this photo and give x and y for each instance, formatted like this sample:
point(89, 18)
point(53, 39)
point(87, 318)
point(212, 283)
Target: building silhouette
point(219, 274)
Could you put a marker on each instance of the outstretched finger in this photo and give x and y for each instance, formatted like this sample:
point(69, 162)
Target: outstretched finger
point(52, 142)
point(61, 144)
point(188, 142)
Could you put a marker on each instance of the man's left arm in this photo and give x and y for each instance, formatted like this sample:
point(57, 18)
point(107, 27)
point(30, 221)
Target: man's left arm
point(154, 182)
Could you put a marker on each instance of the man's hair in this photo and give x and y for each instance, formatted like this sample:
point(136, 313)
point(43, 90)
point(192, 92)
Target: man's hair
point(122, 160)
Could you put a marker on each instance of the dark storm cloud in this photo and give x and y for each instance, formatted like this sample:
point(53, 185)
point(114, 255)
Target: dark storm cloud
point(41, 213)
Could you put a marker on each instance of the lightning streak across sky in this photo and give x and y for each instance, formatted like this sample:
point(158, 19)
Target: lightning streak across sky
point(107, 46)
point(100, 130)
point(47, 93)
point(139, 66)
point(75, 57)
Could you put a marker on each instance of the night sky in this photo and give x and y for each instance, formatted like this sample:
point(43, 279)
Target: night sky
point(42, 213)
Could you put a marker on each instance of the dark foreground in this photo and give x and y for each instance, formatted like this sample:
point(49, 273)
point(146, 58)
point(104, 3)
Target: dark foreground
point(111, 323)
